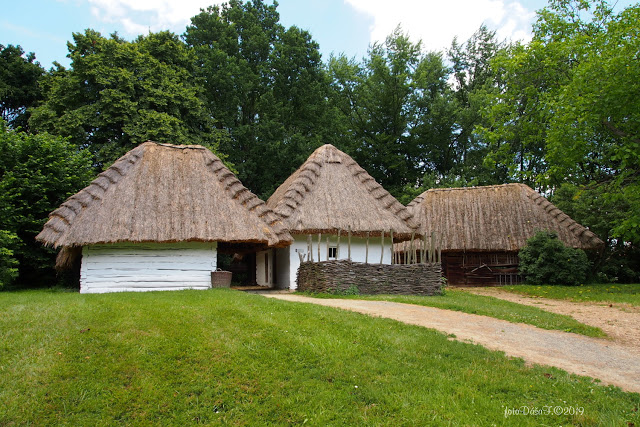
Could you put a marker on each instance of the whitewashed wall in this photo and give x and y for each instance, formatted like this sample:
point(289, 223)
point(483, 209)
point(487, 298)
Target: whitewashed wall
point(264, 272)
point(358, 254)
point(147, 267)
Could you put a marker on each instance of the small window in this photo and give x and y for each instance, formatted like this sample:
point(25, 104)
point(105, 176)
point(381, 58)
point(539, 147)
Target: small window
point(333, 252)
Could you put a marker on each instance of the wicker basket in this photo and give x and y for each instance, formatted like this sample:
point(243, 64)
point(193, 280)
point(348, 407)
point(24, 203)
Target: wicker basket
point(221, 279)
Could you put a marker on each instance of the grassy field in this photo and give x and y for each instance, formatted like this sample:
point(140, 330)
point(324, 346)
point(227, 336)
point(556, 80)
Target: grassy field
point(628, 294)
point(221, 356)
point(466, 302)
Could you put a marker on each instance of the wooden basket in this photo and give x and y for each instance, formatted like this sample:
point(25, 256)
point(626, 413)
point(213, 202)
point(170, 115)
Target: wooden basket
point(221, 279)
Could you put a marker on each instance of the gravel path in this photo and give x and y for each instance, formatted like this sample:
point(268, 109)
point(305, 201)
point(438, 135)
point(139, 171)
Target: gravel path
point(621, 322)
point(610, 362)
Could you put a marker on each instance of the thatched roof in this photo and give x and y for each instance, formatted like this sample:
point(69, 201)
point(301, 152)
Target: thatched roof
point(331, 192)
point(494, 218)
point(164, 193)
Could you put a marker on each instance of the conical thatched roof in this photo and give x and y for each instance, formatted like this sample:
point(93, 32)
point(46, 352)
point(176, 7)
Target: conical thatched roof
point(495, 218)
point(331, 192)
point(164, 193)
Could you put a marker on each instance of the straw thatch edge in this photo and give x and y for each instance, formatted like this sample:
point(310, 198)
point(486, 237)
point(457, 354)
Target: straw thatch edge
point(583, 234)
point(61, 219)
point(286, 199)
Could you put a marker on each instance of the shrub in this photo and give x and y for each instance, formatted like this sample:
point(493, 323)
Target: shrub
point(37, 173)
point(546, 260)
point(8, 264)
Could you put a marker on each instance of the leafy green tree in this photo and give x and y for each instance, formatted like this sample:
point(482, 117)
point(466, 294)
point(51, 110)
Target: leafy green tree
point(37, 173)
point(118, 94)
point(472, 77)
point(567, 106)
point(619, 261)
point(545, 260)
point(594, 134)
point(395, 111)
point(265, 85)
point(19, 85)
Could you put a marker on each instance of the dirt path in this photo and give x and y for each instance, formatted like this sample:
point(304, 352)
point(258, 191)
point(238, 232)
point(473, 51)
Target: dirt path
point(620, 321)
point(612, 363)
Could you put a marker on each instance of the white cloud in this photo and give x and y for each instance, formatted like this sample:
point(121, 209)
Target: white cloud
point(140, 16)
point(436, 23)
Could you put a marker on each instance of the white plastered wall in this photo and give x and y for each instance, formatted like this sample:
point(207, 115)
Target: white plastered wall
point(147, 266)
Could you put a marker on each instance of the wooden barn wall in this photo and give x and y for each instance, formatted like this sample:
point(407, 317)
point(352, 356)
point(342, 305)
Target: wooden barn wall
point(147, 267)
point(480, 268)
point(406, 279)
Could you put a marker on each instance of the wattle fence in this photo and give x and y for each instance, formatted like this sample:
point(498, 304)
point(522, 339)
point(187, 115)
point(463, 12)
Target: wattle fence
point(342, 276)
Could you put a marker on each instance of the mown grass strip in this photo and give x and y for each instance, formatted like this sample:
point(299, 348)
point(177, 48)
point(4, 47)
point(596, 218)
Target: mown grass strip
point(220, 356)
point(618, 293)
point(466, 302)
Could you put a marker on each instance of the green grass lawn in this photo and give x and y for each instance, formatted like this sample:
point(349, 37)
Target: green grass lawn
point(459, 300)
point(221, 356)
point(628, 294)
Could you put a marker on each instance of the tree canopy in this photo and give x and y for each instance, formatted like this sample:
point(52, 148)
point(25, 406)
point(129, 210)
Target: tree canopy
point(19, 84)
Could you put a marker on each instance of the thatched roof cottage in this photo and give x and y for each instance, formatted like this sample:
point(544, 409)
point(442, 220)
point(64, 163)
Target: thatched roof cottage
point(156, 219)
point(330, 194)
point(481, 229)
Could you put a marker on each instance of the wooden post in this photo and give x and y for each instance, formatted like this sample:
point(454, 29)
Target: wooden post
point(309, 248)
point(349, 245)
point(433, 245)
point(393, 253)
point(301, 256)
point(366, 253)
point(381, 246)
point(338, 246)
point(319, 243)
point(424, 252)
point(411, 247)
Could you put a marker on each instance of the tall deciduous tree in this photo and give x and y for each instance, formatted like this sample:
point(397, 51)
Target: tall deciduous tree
point(395, 115)
point(19, 84)
point(118, 94)
point(265, 85)
point(37, 173)
point(472, 77)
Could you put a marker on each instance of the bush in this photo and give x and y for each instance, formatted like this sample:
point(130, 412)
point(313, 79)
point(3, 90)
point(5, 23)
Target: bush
point(37, 173)
point(8, 264)
point(546, 260)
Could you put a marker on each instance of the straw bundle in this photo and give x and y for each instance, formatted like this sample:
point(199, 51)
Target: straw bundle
point(331, 192)
point(164, 193)
point(494, 218)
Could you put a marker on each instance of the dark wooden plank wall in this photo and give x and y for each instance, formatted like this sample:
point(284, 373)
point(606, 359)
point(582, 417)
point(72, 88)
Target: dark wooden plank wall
point(480, 268)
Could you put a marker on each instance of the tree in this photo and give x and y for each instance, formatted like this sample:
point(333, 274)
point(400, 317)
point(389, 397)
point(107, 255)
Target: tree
point(394, 108)
point(473, 76)
point(265, 86)
point(118, 94)
point(19, 85)
point(37, 173)
point(588, 205)
point(594, 134)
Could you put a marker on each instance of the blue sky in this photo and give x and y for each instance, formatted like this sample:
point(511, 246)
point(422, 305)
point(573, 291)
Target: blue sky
point(339, 26)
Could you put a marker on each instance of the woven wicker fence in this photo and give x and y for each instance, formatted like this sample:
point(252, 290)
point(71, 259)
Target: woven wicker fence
point(343, 275)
